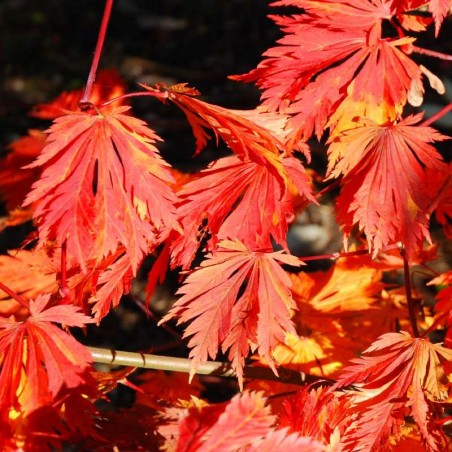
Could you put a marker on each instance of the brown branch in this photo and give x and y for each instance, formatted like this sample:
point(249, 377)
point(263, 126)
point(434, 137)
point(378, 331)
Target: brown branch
point(409, 295)
point(145, 361)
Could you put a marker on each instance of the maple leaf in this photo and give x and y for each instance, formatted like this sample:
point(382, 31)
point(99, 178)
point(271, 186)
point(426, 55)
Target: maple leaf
point(440, 9)
point(108, 85)
point(102, 285)
point(245, 419)
point(348, 286)
point(39, 360)
point(333, 66)
point(225, 313)
point(133, 429)
point(387, 204)
point(158, 386)
point(317, 413)
point(254, 135)
point(331, 306)
point(34, 433)
point(15, 182)
point(28, 273)
point(323, 352)
point(440, 190)
point(238, 199)
point(397, 373)
point(281, 440)
point(103, 185)
point(443, 306)
point(114, 281)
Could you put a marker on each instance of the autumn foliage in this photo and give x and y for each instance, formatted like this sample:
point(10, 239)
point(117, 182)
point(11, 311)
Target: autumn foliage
point(103, 200)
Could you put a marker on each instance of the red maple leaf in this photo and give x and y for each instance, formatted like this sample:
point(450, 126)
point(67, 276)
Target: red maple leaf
point(245, 419)
point(443, 305)
point(439, 9)
point(103, 185)
point(243, 200)
point(316, 413)
point(102, 285)
point(333, 66)
point(15, 181)
point(39, 361)
point(398, 374)
point(440, 189)
point(243, 423)
point(384, 169)
point(288, 442)
point(253, 135)
point(225, 313)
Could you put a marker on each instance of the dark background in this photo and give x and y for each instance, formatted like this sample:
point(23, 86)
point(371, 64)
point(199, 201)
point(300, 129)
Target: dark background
point(47, 46)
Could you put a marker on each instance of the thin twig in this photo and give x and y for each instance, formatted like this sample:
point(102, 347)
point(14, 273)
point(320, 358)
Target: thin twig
point(432, 53)
point(437, 115)
point(335, 256)
point(216, 368)
point(148, 312)
point(21, 300)
point(409, 295)
point(84, 102)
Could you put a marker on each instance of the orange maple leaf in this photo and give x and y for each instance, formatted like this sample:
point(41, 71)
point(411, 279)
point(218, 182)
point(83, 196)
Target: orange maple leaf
point(317, 413)
point(222, 315)
point(443, 306)
point(39, 361)
point(103, 185)
point(243, 200)
point(253, 135)
point(333, 66)
point(28, 273)
point(331, 306)
point(15, 181)
point(397, 373)
point(384, 175)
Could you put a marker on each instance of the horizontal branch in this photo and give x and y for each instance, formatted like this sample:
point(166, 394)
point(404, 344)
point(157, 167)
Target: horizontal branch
point(215, 368)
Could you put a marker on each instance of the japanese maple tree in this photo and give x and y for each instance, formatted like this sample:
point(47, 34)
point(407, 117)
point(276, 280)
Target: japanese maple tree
point(336, 360)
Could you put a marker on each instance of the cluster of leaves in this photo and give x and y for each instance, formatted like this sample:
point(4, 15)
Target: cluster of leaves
point(102, 199)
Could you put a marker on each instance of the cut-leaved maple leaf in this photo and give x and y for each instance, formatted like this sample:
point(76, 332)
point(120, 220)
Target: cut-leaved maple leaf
point(397, 374)
point(238, 299)
point(245, 419)
point(316, 413)
point(440, 188)
point(39, 361)
point(253, 135)
point(443, 306)
point(15, 182)
point(238, 199)
point(330, 307)
point(28, 273)
point(102, 285)
point(333, 66)
point(244, 423)
point(103, 185)
point(384, 169)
